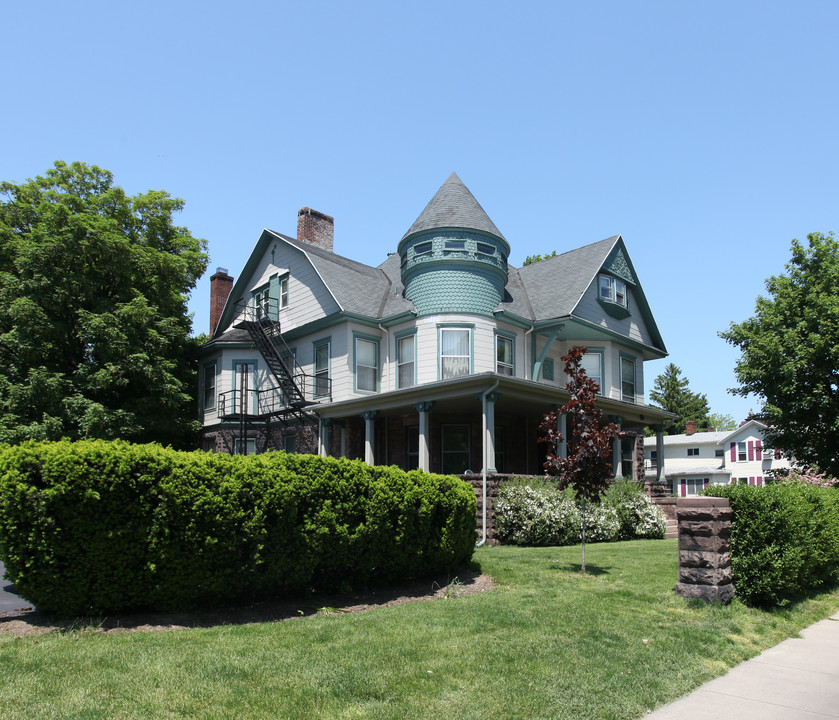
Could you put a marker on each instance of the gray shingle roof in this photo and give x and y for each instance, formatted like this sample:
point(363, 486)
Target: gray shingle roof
point(453, 206)
point(555, 285)
point(358, 288)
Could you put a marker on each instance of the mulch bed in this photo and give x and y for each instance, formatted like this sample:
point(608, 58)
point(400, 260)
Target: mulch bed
point(27, 622)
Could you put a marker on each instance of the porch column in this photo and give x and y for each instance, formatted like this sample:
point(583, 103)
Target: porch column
point(616, 448)
point(562, 427)
point(325, 436)
point(489, 440)
point(369, 435)
point(343, 432)
point(659, 452)
point(424, 459)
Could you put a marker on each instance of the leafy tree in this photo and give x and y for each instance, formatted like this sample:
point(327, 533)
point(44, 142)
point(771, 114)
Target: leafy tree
point(530, 259)
point(671, 392)
point(94, 329)
point(587, 467)
point(719, 421)
point(790, 354)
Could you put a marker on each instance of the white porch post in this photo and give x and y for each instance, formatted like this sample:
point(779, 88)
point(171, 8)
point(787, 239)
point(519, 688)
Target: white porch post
point(321, 437)
point(369, 436)
point(424, 459)
point(491, 399)
point(659, 453)
point(562, 445)
point(343, 440)
point(616, 448)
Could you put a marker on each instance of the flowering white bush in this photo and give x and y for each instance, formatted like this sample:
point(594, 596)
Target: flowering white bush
point(526, 515)
point(602, 523)
point(530, 516)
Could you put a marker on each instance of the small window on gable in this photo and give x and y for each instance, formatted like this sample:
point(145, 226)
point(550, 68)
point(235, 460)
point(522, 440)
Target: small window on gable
point(422, 248)
point(284, 291)
point(605, 287)
point(620, 292)
point(612, 292)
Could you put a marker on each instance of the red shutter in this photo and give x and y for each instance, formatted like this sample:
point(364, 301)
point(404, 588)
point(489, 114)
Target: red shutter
point(758, 450)
point(751, 451)
point(684, 487)
point(777, 454)
point(733, 452)
point(751, 481)
point(759, 481)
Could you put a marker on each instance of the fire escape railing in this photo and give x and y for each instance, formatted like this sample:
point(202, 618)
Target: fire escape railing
point(295, 390)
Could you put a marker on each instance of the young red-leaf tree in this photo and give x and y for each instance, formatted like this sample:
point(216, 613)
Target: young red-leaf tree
point(587, 464)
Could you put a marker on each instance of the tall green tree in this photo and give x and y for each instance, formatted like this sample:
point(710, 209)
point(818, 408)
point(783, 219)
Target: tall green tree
point(587, 465)
point(94, 328)
point(671, 392)
point(790, 354)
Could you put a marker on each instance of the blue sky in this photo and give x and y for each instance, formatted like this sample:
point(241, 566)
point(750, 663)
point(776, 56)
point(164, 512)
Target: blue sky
point(704, 133)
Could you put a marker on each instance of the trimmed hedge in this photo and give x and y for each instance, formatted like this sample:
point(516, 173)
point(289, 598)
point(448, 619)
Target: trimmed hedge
point(95, 526)
point(784, 540)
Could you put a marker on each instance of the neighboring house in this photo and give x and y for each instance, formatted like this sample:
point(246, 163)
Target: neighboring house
point(697, 459)
point(442, 358)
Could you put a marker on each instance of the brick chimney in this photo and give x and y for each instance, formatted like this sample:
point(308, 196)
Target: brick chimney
point(690, 427)
point(220, 286)
point(316, 228)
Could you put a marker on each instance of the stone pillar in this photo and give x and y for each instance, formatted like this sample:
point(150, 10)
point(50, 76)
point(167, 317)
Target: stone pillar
point(705, 549)
point(369, 436)
point(424, 459)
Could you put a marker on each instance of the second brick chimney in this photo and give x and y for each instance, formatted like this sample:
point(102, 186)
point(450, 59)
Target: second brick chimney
point(690, 427)
point(316, 228)
point(220, 286)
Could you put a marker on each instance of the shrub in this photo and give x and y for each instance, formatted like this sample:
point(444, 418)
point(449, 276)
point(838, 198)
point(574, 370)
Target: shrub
point(542, 515)
point(535, 516)
point(94, 527)
point(784, 540)
point(639, 516)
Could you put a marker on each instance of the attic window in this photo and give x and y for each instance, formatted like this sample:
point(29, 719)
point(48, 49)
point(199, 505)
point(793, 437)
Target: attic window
point(422, 248)
point(611, 292)
point(455, 245)
point(485, 249)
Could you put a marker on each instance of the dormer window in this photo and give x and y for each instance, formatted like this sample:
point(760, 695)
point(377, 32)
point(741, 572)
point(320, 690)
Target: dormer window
point(422, 248)
point(611, 292)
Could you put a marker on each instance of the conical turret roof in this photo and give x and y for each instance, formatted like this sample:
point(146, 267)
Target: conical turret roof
point(453, 207)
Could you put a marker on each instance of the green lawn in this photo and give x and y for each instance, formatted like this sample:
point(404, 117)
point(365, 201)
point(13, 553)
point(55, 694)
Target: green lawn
point(547, 643)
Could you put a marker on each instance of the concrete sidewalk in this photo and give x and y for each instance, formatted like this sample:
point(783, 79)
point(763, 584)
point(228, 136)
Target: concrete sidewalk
point(796, 680)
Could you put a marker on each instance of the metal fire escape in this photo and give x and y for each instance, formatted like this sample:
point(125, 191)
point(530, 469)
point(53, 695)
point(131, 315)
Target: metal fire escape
point(293, 391)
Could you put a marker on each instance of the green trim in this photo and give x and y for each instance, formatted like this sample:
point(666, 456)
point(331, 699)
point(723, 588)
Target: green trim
point(369, 338)
point(602, 353)
point(455, 326)
point(204, 367)
point(513, 319)
point(537, 366)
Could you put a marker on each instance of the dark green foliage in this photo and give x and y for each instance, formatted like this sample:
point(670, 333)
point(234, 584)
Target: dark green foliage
point(784, 540)
point(671, 392)
point(95, 526)
point(94, 326)
point(790, 355)
point(530, 259)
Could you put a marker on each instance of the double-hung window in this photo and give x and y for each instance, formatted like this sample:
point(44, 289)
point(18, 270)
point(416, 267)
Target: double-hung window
point(592, 363)
point(406, 352)
point(455, 352)
point(455, 449)
point(262, 302)
point(628, 380)
point(209, 387)
point(612, 289)
point(322, 369)
point(503, 355)
point(366, 365)
point(742, 454)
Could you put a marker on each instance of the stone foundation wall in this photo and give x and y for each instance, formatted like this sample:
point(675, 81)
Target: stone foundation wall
point(705, 549)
